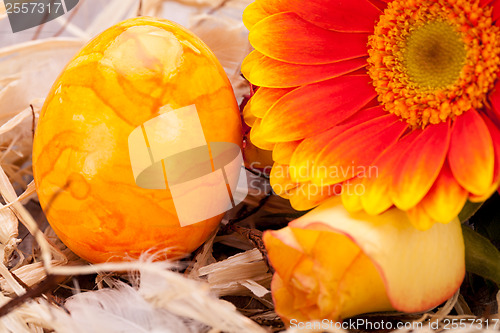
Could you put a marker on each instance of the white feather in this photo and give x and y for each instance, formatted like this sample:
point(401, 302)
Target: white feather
point(123, 309)
point(159, 300)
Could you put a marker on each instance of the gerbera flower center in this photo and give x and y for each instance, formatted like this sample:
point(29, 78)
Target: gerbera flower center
point(432, 60)
point(434, 55)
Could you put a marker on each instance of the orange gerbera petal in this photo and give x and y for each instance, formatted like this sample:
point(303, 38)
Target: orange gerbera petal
point(420, 219)
point(302, 112)
point(484, 3)
point(495, 137)
point(471, 153)
point(248, 117)
point(281, 182)
point(367, 113)
point(266, 72)
point(307, 151)
point(259, 10)
point(351, 152)
point(283, 151)
point(348, 16)
point(352, 190)
point(289, 38)
point(253, 14)
point(274, 6)
point(307, 195)
point(257, 139)
point(263, 99)
point(419, 168)
point(496, 11)
point(376, 198)
point(494, 98)
point(446, 198)
point(309, 148)
point(380, 4)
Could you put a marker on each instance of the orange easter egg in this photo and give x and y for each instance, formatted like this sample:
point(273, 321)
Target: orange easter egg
point(120, 83)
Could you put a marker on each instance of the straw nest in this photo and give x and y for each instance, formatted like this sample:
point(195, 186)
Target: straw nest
point(222, 287)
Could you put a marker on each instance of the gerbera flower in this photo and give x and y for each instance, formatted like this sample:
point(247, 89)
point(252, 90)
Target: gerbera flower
point(384, 102)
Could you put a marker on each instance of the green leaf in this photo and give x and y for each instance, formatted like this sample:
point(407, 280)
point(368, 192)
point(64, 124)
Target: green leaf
point(469, 210)
point(481, 257)
point(487, 220)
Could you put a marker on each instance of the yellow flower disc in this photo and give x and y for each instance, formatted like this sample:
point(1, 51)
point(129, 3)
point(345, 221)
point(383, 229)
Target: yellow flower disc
point(124, 77)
